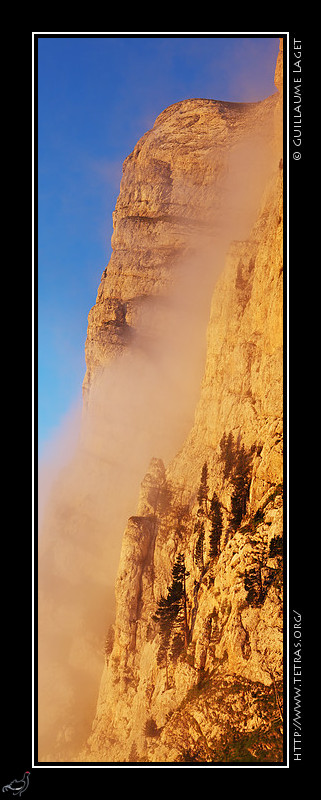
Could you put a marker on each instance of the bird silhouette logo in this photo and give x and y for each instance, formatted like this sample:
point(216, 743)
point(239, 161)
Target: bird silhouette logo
point(17, 787)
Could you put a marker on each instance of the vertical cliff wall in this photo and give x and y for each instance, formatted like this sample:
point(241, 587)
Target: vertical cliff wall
point(207, 687)
point(184, 369)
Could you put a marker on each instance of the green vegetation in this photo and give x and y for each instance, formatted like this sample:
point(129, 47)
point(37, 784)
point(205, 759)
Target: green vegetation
point(216, 518)
point(199, 548)
point(202, 494)
point(237, 469)
point(178, 646)
point(259, 578)
point(241, 480)
point(214, 515)
point(276, 547)
point(175, 614)
point(227, 450)
point(171, 614)
point(264, 744)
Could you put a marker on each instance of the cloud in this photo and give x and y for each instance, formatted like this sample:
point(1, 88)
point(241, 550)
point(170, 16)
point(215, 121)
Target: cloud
point(107, 171)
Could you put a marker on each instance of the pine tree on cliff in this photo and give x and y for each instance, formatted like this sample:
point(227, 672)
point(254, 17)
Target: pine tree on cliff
point(178, 588)
point(171, 610)
point(164, 616)
point(202, 494)
point(199, 548)
point(241, 486)
point(228, 454)
point(217, 526)
point(223, 445)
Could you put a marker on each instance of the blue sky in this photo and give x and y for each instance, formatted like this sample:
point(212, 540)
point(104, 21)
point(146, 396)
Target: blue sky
point(96, 96)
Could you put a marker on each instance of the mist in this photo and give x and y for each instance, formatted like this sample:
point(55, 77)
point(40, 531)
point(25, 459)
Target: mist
point(141, 405)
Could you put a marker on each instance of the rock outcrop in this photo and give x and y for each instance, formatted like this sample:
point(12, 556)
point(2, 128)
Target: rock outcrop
point(174, 189)
point(193, 662)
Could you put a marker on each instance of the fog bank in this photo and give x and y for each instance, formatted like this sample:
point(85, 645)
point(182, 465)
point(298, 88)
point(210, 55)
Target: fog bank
point(141, 406)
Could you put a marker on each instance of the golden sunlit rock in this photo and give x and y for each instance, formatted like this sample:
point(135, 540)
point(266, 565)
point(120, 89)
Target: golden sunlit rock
point(184, 358)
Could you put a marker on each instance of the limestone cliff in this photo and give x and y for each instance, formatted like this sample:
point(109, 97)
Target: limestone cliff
point(193, 662)
point(171, 192)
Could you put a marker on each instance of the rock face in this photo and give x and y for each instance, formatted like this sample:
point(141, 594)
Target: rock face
point(172, 191)
point(193, 662)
